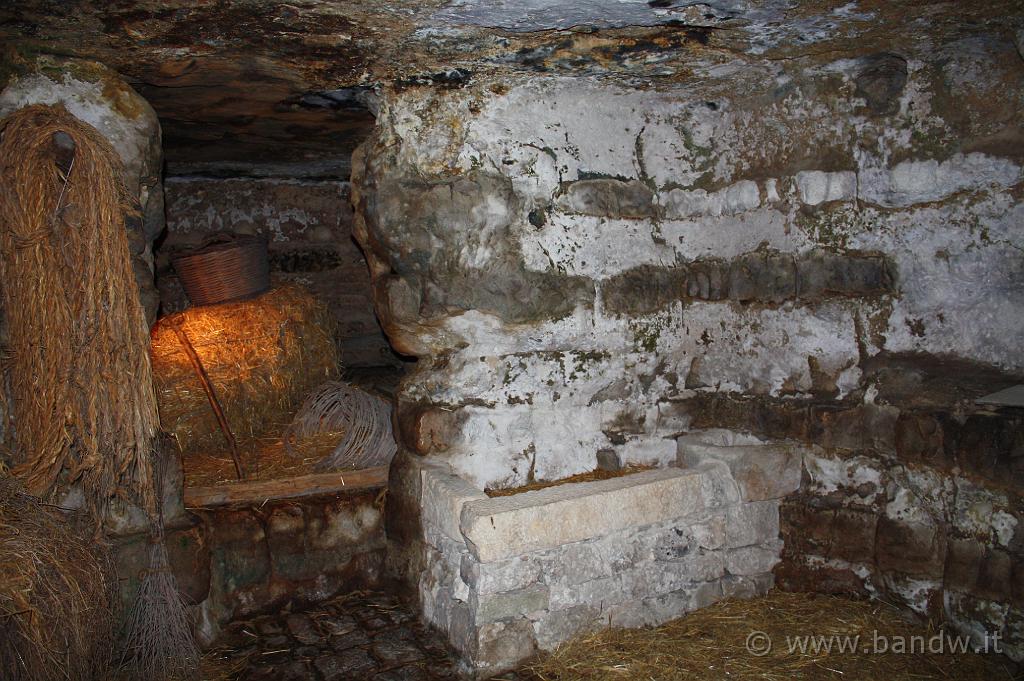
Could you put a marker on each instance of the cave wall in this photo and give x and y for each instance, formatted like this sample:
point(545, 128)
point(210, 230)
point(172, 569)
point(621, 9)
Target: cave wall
point(308, 224)
point(812, 250)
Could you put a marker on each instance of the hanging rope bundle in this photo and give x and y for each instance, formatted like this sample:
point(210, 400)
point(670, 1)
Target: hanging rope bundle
point(84, 406)
point(364, 418)
point(81, 383)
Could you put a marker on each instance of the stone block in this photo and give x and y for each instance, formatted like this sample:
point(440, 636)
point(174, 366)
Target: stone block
point(600, 592)
point(853, 534)
point(509, 604)
point(320, 536)
point(708, 279)
point(762, 276)
point(822, 273)
point(631, 614)
point(643, 289)
point(919, 438)
point(662, 577)
point(815, 186)
point(239, 549)
point(710, 532)
point(187, 551)
point(806, 528)
point(402, 512)
point(913, 549)
point(880, 428)
point(880, 82)
point(608, 198)
point(561, 625)
point(428, 429)
point(736, 198)
point(608, 460)
point(753, 560)
point(794, 574)
point(586, 561)
point(696, 597)
point(443, 494)
point(503, 645)
point(963, 564)
point(717, 485)
point(503, 527)
point(762, 471)
point(350, 522)
point(503, 575)
point(462, 629)
point(995, 577)
point(839, 428)
point(755, 522)
point(836, 533)
point(922, 596)
point(986, 444)
point(747, 586)
point(658, 609)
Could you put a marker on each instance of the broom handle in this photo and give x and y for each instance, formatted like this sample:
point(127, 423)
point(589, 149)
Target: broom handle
point(210, 395)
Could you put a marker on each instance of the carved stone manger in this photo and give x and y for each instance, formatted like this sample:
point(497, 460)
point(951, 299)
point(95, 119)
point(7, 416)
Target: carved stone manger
point(508, 576)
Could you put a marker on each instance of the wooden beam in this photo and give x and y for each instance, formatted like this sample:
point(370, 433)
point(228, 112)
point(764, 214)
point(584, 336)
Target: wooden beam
point(259, 491)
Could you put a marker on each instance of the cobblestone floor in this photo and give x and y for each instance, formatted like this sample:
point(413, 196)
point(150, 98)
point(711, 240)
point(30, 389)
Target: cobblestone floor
point(364, 635)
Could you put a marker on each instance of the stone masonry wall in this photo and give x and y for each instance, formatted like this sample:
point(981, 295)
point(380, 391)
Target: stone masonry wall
point(308, 226)
point(506, 577)
point(912, 494)
point(236, 562)
point(571, 258)
point(583, 266)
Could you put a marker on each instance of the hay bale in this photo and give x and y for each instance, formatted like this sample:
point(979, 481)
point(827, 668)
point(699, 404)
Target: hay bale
point(56, 594)
point(262, 356)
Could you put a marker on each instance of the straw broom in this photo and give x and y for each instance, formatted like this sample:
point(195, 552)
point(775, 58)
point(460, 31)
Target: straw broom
point(84, 404)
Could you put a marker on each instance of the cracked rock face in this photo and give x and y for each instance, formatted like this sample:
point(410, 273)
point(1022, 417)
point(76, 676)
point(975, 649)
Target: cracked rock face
point(251, 87)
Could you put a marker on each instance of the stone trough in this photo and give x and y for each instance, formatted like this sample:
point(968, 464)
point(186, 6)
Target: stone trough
point(507, 577)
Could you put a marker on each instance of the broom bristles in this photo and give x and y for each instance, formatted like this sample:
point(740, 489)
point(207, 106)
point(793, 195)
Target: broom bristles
point(158, 644)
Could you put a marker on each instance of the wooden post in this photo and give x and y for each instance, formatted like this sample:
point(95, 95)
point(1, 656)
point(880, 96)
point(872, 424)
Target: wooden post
point(197, 364)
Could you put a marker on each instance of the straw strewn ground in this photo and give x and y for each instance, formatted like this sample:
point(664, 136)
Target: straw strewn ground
point(579, 477)
point(711, 644)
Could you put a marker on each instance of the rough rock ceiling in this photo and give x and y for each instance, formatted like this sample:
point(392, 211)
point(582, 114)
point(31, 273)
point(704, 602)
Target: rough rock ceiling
point(258, 86)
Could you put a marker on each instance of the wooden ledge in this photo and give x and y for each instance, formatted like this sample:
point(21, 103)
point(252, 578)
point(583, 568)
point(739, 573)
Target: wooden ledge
point(260, 491)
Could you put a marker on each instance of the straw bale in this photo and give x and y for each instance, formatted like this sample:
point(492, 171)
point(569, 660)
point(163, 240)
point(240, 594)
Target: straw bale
point(56, 593)
point(262, 356)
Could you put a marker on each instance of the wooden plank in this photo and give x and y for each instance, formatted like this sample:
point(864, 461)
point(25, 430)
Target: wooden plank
point(1010, 397)
point(260, 491)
